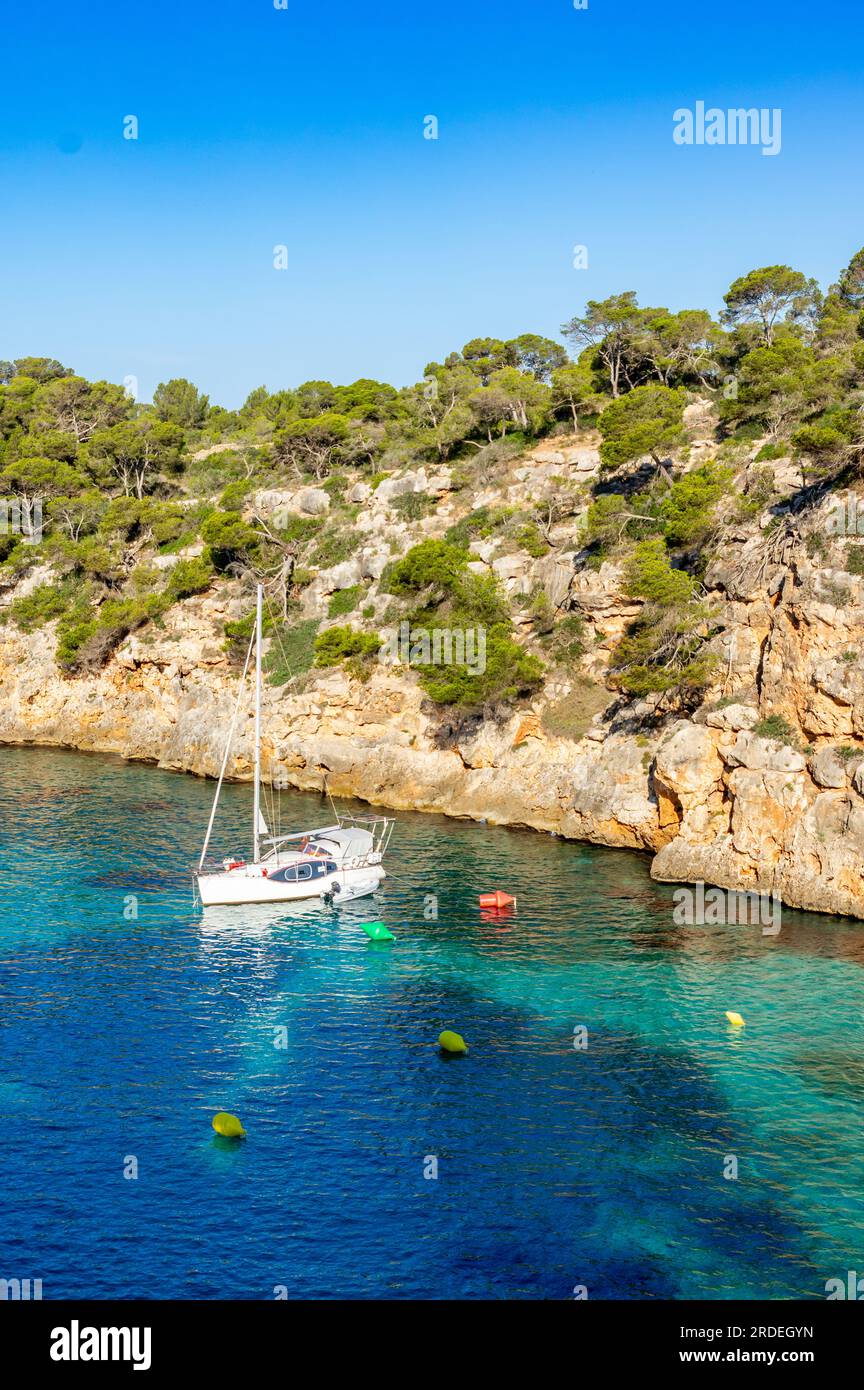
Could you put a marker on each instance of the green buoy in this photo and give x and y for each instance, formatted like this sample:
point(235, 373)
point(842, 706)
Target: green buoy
point(452, 1042)
point(376, 931)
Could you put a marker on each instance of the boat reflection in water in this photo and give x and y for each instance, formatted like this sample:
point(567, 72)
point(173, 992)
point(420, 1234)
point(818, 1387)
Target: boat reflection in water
point(258, 920)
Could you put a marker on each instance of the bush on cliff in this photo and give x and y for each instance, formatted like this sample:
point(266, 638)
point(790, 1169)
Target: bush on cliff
point(358, 650)
point(451, 597)
point(664, 647)
point(87, 638)
point(190, 577)
point(46, 602)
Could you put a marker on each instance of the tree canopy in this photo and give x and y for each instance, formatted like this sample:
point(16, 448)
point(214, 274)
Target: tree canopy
point(148, 503)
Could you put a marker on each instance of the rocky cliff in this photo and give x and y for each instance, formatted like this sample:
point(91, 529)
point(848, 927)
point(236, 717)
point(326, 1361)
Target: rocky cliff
point(704, 788)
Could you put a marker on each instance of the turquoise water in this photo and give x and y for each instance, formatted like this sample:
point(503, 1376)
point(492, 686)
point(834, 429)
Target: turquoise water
point(121, 1036)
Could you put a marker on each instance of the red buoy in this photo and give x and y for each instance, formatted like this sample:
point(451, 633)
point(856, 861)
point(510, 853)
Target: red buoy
point(496, 899)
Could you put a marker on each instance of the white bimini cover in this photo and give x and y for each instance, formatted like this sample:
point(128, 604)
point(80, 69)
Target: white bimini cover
point(350, 843)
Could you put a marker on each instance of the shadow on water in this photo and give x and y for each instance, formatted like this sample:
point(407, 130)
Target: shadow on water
point(555, 1166)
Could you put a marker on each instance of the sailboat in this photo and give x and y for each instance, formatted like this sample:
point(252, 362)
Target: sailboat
point(333, 862)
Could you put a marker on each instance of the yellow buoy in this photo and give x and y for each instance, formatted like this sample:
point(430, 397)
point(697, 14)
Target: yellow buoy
point(735, 1019)
point(452, 1042)
point(228, 1126)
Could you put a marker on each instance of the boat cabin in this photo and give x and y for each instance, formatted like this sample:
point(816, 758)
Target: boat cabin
point(302, 870)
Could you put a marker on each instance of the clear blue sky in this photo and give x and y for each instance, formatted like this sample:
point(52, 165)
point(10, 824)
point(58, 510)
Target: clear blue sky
point(304, 126)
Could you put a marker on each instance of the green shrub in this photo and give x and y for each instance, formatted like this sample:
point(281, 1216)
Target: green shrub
point(774, 726)
point(749, 432)
point(235, 494)
point(855, 559)
point(649, 575)
point(190, 577)
point(530, 538)
point(510, 672)
point(663, 650)
point(229, 539)
point(344, 601)
point(647, 420)
point(542, 611)
point(335, 547)
point(451, 596)
point(430, 565)
point(85, 641)
point(612, 518)
point(567, 640)
point(759, 490)
point(413, 506)
point(478, 525)
point(336, 644)
point(238, 633)
point(45, 603)
point(291, 652)
point(170, 525)
point(91, 557)
point(71, 637)
point(687, 508)
point(299, 529)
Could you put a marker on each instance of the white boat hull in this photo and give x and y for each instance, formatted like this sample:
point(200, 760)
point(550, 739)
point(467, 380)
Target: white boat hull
point(249, 885)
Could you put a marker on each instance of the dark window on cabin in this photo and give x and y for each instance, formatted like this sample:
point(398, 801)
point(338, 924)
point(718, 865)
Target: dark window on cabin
point(304, 871)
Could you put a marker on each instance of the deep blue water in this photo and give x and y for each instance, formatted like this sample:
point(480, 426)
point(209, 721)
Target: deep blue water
point(120, 1038)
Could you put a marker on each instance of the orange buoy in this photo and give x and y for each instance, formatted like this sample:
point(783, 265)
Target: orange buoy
point(496, 899)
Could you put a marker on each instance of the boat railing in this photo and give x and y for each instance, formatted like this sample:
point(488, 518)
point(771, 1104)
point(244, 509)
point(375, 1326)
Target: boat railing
point(379, 827)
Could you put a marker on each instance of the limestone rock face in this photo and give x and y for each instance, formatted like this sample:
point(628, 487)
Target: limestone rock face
point(697, 784)
point(277, 503)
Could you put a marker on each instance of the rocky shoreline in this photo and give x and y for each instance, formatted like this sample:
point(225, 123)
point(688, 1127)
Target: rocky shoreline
point(707, 789)
point(708, 797)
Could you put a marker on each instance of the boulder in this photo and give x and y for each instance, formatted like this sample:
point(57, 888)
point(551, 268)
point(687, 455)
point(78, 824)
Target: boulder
point(314, 501)
point(763, 754)
point(399, 487)
point(735, 717)
point(828, 769)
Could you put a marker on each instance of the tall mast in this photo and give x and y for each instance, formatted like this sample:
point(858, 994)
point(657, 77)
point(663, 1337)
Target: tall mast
point(256, 812)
